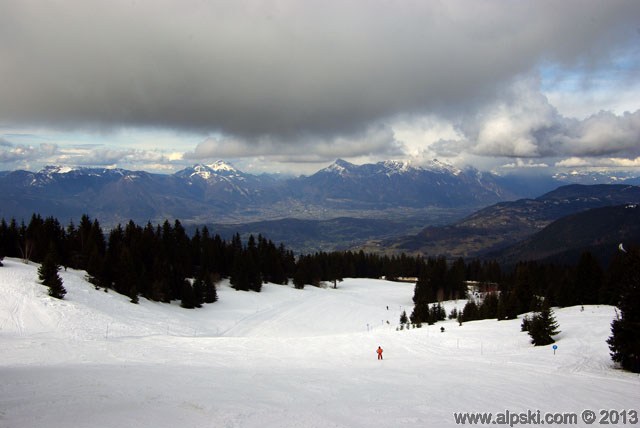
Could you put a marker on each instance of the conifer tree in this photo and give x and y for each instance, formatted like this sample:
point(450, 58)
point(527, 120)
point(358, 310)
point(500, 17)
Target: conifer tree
point(420, 313)
point(624, 342)
point(543, 326)
point(188, 300)
point(210, 292)
point(489, 306)
point(307, 272)
point(470, 311)
point(436, 313)
point(299, 277)
point(508, 304)
point(48, 274)
point(251, 265)
point(423, 291)
point(198, 292)
point(526, 323)
point(403, 318)
point(239, 279)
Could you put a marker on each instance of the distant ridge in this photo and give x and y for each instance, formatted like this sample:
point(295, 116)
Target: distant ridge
point(506, 223)
point(599, 230)
point(220, 192)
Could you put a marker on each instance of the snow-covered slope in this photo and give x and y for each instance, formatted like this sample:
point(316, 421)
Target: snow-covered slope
point(282, 358)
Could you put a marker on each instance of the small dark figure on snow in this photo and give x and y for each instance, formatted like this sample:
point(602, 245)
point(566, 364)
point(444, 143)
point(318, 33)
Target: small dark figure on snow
point(379, 351)
point(441, 329)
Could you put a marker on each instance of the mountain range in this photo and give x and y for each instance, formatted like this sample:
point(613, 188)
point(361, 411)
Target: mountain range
point(387, 206)
point(221, 193)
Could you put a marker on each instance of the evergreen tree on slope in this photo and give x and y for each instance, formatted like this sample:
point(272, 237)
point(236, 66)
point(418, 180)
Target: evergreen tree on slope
point(624, 342)
point(543, 326)
point(48, 274)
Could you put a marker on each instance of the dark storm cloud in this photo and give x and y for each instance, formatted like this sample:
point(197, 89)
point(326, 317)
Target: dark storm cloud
point(378, 140)
point(284, 71)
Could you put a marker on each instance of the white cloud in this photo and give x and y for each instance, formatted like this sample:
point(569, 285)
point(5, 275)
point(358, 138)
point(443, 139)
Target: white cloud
point(523, 124)
point(514, 126)
point(603, 134)
point(528, 163)
point(578, 162)
point(17, 154)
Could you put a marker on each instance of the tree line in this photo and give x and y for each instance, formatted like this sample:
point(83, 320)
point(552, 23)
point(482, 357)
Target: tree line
point(518, 290)
point(163, 263)
point(160, 263)
point(536, 287)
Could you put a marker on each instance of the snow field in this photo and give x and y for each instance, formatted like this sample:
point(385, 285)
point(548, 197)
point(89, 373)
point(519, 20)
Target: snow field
point(282, 358)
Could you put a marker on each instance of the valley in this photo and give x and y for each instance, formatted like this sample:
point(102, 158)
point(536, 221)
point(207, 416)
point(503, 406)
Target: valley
point(389, 207)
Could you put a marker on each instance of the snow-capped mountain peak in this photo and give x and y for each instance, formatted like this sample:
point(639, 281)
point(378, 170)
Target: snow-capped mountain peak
point(390, 167)
point(200, 170)
point(211, 171)
point(339, 167)
point(439, 166)
point(395, 166)
point(56, 169)
point(221, 166)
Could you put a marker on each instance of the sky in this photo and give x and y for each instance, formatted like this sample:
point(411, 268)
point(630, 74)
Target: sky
point(289, 86)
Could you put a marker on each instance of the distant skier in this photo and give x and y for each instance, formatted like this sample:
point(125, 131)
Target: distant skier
point(379, 351)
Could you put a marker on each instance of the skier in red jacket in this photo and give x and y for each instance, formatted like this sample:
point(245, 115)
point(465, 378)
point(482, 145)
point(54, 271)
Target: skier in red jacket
point(379, 351)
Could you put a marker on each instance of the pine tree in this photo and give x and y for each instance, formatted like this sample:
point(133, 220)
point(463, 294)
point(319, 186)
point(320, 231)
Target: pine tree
point(436, 313)
point(210, 292)
point(198, 292)
point(441, 313)
point(624, 342)
point(403, 318)
point(489, 306)
point(420, 313)
point(423, 291)
point(48, 274)
point(188, 298)
point(240, 275)
point(526, 323)
point(470, 311)
point(251, 265)
point(508, 304)
point(543, 326)
point(307, 272)
point(300, 277)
